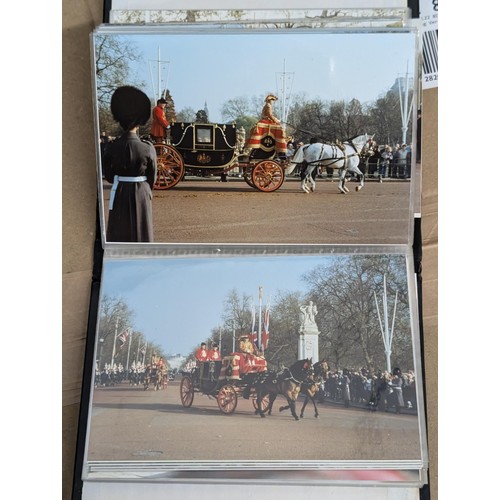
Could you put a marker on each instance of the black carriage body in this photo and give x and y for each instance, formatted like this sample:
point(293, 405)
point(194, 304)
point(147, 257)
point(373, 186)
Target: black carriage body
point(209, 376)
point(205, 146)
point(212, 378)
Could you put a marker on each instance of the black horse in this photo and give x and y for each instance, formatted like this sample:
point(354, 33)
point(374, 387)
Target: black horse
point(286, 382)
point(311, 386)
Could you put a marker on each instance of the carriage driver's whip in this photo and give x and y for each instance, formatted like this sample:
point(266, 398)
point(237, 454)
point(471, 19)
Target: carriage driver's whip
point(307, 132)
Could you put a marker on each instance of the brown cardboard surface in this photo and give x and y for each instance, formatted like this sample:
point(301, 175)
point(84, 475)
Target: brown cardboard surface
point(430, 272)
point(79, 222)
point(79, 214)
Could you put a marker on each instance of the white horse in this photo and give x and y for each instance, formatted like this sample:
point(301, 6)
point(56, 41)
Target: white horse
point(345, 159)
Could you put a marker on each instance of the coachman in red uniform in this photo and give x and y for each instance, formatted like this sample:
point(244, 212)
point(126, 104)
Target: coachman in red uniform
point(269, 129)
point(159, 124)
point(202, 353)
point(214, 353)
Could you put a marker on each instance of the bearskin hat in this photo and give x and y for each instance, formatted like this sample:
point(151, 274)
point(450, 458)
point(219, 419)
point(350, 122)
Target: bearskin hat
point(130, 107)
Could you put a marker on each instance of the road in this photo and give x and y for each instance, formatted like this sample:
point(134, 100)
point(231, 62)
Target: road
point(208, 211)
point(129, 423)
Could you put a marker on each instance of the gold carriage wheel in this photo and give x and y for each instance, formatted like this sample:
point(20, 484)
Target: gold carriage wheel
point(170, 166)
point(264, 403)
point(268, 176)
point(187, 391)
point(227, 399)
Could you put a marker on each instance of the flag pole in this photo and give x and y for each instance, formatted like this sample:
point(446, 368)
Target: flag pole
point(129, 337)
point(260, 317)
point(234, 337)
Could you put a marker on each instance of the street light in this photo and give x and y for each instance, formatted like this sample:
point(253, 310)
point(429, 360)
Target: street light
point(101, 343)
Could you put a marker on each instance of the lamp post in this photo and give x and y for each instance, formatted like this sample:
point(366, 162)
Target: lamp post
point(101, 343)
point(387, 333)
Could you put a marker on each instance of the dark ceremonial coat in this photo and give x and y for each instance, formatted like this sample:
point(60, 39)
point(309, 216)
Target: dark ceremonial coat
point(131, 219)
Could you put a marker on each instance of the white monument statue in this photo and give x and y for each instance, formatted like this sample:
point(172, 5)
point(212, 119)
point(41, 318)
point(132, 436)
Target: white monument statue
point(307, 317)
point(308, 333)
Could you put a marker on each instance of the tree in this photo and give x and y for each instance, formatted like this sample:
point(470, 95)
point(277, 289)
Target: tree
point(170, 113)
point(235, 108)
point(236, 320)
point(347, 317)
point(346, 120)
point(284, 327)
point(385, 119)
point(309, 119)
point(186, 115)
point(113, 56)
point(115, 318)
point(201, 116)
point(239, 111)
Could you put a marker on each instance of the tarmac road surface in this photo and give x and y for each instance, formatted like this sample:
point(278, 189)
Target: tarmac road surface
point(208, 211)
point(128, 423)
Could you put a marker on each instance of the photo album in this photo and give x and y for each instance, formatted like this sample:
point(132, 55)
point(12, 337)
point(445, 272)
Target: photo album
point(257, 314)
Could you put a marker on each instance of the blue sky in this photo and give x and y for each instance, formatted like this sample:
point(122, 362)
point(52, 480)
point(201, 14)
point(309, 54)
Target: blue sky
point(178, 301)
point(213, 68)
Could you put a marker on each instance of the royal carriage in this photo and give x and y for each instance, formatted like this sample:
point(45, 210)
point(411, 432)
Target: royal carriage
point(226, 380)
point(212, 148)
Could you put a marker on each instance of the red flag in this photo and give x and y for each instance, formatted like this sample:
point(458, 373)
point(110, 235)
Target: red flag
point(265, 329)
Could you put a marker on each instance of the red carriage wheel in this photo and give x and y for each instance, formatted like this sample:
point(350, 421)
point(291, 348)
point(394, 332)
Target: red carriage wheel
point(264, 403)
point(187, 392)
point(227, 399)
point(170, 166)
point(268, 176)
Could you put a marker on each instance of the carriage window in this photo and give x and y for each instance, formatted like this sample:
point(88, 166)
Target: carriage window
point(203, 135)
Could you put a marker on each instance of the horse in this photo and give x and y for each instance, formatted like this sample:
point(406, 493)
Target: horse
point(311, 386)
point(286, 382)
point(157, 376)
point(344, 157)
point(147, 377)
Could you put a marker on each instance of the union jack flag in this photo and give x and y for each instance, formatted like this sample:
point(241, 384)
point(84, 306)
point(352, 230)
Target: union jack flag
point(254, 338)
point(122, 338)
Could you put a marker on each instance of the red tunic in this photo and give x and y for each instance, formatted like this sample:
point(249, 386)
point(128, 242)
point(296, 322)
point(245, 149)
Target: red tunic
point(159, 124)
point(201, 354)
point(213, 355)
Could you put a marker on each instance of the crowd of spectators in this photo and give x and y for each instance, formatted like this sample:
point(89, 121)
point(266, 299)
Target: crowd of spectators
point(111, 375)
point(380, 390)
point(386, 161)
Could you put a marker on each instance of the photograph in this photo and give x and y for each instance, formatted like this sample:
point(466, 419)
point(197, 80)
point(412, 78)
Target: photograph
point(284, 136)
point(268, 362)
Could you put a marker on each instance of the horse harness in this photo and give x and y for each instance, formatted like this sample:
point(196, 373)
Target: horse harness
point(334, 158)
point(282, 376)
